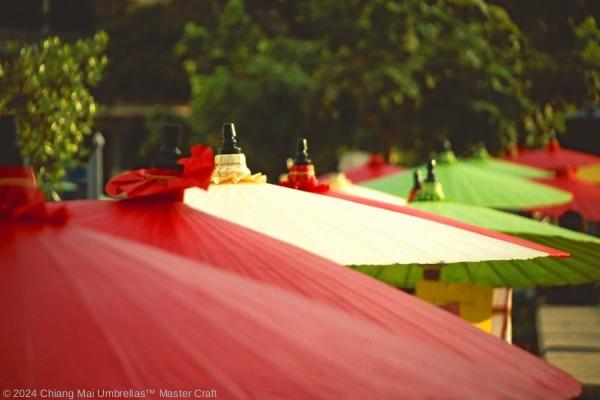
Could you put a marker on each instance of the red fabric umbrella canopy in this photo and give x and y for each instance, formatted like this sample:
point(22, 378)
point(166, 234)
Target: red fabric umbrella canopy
point(376, 167)
point(554, 157)
point(586, 196)
point(178, 228)
point(81, 310)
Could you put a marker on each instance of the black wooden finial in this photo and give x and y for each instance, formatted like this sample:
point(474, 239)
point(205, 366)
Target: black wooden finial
point(431, 171)
point(416, 180)
point(229, 141)
point(169, 153)
point(9, 148)
point(302, 153)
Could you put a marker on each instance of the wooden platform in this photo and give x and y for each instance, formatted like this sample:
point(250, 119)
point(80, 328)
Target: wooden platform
point(569, 337)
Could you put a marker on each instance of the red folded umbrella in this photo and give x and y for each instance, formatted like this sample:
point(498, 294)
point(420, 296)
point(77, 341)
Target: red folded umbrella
point(83, 311)
point(374, 168)
point(586, 196)
point(554, 157)
point(178, 228)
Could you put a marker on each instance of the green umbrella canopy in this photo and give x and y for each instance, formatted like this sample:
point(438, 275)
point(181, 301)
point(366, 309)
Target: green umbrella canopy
point(469, 184)
point(482, 160)
point(583, 265)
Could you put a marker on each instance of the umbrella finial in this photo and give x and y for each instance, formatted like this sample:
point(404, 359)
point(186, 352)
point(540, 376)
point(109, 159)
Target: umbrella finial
point(229, 141)
point(302, 153)
point(480, 151)
point(169, 153)
point(446, 155)
point(431, 171)
point(9, 148)
point(417, 180)
point(553, 144)
point(431, 189)
point(412, 194)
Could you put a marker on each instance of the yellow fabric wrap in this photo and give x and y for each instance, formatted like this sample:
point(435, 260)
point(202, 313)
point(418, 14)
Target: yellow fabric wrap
point(338, 181)
point(231, 168)
point(475, 300)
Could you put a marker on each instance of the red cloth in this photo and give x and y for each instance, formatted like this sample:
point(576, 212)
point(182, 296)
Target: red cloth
point(21, 199)
point(82, 310)
point(303, 177)
point(586, 196)
point(166, 184)
point(555, 157)
point(180, 229)
point(375, 168)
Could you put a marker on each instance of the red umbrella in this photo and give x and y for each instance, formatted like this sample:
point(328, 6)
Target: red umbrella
point(178, 228)
point(375, 167)
point(83, 312)
point(554, 157)
point(586, 196)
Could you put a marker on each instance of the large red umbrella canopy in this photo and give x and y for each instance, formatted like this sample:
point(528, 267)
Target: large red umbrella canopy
point(81, 310)
point(586, 196)
point(181, 229)
point(554, 157)
point(374, 168)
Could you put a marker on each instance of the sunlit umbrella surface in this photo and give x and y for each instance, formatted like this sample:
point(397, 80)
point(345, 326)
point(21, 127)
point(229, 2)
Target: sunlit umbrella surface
point(469, 184)
point(481, 159)
point(174, 226)
point(81, 310)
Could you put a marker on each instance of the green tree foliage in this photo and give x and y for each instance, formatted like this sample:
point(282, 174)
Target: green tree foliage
point(382, 73)
point(46, 87)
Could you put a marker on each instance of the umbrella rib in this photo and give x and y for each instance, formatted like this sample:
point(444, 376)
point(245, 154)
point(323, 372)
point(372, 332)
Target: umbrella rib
point(574, 268)
point(468, 271)
point(407, 275)
point(518, 266)
point(505, 282)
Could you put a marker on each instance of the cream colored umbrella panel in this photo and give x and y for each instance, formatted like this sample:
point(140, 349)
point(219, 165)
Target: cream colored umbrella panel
point(339, 182)
point(345, 232)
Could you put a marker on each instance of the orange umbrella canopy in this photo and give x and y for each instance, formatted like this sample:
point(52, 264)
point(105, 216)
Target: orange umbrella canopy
point(81, 310)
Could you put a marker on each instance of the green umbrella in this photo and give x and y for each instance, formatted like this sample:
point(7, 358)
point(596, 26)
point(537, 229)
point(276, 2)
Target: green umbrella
point(470, 184)
point(583, 265)
point(482, 160)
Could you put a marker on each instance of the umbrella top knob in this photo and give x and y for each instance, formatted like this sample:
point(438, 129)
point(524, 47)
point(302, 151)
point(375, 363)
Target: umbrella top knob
point(9, 148)
point(553, 144)
point(431, 171)
point(416, 180)
point(229, 145)
point(480, 151)
point(302, 153)
point(169, 152)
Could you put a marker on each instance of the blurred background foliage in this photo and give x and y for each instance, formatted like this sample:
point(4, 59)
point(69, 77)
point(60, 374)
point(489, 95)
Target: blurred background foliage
point(391, 76)
point(380, 74)
point(45, 85)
